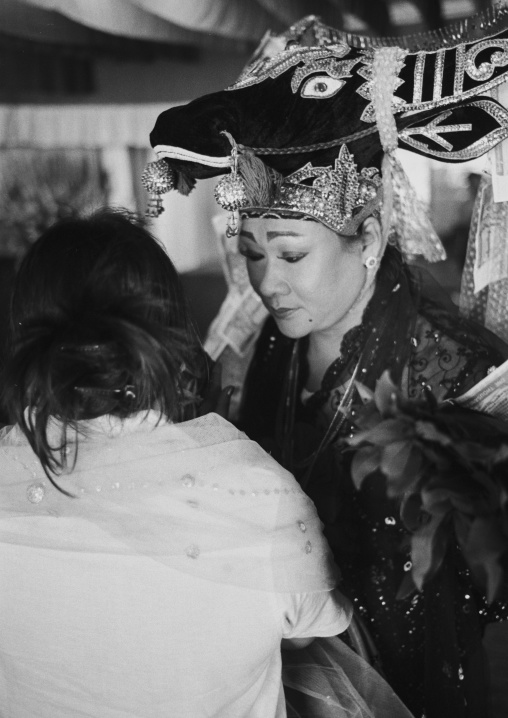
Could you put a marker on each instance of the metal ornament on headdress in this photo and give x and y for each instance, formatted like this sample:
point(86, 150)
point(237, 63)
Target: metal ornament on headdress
point(127, 393)
point(404, 219)
point(230, 191)
point(335, 197)
point(157, 179)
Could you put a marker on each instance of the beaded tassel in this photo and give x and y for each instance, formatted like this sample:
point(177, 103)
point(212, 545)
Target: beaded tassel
point(157, 179)
point(230, 192)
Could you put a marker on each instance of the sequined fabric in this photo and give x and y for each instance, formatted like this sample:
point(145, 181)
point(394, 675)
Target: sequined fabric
point(429, 644)
point(132, 470)
point(386, 66)
point(335, 198)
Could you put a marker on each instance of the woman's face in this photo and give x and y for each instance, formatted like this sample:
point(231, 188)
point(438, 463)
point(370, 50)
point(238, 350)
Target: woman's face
point(307, 276)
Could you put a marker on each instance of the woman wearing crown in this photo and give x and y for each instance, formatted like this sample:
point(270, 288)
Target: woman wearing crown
point(327, 224)
point(343, 308)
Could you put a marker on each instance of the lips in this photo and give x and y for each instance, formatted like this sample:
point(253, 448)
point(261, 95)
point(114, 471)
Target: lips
point(282, 312)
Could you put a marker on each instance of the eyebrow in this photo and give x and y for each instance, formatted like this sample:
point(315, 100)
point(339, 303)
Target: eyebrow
point(272, 235)
point(269, 235)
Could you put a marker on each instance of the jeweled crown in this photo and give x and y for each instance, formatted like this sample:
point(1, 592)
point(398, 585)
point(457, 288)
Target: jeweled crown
point(339, 197)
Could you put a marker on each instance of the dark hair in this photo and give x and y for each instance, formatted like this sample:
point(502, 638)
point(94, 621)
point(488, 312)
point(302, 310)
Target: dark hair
point(99, 325)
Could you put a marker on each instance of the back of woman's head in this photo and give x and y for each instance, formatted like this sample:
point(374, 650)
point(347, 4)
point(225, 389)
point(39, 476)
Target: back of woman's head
point(99, 326)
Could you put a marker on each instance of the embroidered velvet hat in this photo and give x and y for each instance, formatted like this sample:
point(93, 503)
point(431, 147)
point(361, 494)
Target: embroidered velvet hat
point(311, 125)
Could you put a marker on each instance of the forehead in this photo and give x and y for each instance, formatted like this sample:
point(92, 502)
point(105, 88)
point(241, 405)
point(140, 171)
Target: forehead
point(267, 228)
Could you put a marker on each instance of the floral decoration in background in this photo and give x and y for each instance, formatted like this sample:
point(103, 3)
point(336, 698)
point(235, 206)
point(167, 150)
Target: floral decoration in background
point(39, 187)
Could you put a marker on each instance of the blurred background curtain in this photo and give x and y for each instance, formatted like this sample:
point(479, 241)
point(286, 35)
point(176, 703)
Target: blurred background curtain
point(56, 157)
point(247, 20)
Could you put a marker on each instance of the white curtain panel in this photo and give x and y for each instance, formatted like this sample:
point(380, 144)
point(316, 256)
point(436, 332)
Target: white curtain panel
point(197, 22)
point(242, 19)
point(167, 20)
point(94, 126)
point(190, 21)
point(119, 133)
point(118, 17)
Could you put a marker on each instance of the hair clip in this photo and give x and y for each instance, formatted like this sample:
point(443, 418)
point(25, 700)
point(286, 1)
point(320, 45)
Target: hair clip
point(87, 348)
point(127, 392)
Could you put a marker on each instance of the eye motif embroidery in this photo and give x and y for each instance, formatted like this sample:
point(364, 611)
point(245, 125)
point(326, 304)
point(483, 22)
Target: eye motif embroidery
point(321, 87)
point(328, 77)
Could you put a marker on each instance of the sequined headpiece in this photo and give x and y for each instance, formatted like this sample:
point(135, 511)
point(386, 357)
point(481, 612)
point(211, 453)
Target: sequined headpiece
point(336, 196)
point(339, 197)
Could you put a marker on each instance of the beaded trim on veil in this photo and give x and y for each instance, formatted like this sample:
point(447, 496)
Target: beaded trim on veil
point(199, 497)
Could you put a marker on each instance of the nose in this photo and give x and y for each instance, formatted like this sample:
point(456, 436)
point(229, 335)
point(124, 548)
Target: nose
point(271, 282)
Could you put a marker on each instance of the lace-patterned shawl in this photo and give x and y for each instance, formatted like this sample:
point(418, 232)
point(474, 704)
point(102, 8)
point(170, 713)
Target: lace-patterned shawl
point(425, 345)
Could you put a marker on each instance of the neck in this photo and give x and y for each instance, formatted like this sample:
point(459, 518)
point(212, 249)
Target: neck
point(325, 345)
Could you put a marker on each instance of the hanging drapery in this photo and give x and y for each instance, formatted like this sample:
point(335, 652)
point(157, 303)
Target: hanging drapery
point(77, 125)
point(169, 20)
point(114, 138)
point(242, 19)
point(108, 137)
point(208, 22)
point(118, 17)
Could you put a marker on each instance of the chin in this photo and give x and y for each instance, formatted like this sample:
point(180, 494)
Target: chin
point(293, 330)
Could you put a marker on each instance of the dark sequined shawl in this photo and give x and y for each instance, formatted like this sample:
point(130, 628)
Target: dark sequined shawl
point(429, 643)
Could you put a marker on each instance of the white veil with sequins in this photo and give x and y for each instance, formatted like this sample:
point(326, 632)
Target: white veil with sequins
point(197, 496)
point(201, 498)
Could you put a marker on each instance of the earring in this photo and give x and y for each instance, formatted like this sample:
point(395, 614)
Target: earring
point(230, 192)
point(371, 262)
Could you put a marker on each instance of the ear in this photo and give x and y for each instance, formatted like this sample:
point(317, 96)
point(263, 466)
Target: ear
point(372, 238)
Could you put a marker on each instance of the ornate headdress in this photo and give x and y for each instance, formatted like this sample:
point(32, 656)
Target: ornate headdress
point(312, 124)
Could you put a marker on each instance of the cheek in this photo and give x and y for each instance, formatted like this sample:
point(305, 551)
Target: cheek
point(338, 286)
point(311, 279)
point(321, 278)
point(255, 274)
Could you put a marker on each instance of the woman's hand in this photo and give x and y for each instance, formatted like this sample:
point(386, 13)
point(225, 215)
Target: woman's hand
point(216, 399)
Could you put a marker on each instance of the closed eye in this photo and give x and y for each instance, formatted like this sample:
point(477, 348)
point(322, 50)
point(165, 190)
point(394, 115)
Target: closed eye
point(250, 254)
point(293, 257)
point(321, 87)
